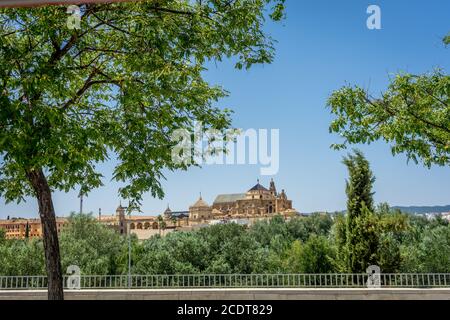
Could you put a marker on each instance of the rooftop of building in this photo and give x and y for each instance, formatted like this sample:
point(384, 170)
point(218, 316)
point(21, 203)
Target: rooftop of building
point(200, 203)
point(179, 213)
point(224, 198)
point(29, 220)
point(258, 187)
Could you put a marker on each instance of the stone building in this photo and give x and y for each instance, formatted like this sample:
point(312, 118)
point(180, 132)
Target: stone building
point(19, 228)
point(145, 226)
point(200, 210)
point(142, 226)
point(124, 223)
point(256, 202)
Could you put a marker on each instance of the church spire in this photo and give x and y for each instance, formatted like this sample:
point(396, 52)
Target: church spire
point(168, 212)
point(272, 188)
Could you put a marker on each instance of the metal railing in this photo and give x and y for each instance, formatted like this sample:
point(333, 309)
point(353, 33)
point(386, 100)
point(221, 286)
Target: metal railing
point(329, 280)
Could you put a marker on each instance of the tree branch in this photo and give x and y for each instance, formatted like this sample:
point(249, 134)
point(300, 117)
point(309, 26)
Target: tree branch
point(88, 84)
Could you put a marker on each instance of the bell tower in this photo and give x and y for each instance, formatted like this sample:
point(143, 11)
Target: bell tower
point(273, 189)
point(120, 216)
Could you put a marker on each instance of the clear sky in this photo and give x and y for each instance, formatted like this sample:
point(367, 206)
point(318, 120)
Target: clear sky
point(322, 45)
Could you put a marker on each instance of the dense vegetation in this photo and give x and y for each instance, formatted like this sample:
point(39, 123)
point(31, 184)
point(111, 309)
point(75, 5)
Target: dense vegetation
point(399, 243)
point(319, 243)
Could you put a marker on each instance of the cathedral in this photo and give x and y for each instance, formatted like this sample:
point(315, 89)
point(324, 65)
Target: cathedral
point(258, 201)
point(255, 204)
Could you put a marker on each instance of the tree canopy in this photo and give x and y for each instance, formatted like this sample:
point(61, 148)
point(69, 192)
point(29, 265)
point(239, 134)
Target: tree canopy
point(399, 243)
point(116, 87)
point(413, 115)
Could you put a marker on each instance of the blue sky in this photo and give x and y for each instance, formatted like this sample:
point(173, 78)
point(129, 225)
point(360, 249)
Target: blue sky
point(322, 45)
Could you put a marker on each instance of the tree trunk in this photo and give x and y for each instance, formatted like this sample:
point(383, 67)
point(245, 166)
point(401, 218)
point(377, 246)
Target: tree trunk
point(50, 233)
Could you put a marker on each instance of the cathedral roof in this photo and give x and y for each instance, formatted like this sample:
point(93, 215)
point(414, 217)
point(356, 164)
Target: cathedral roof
point(180, 214)
point(168, 211)
point(200, 203)
point(258, 187)
point(223, 198)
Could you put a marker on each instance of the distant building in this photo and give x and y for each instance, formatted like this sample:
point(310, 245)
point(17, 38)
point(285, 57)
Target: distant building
point(19, 228)
point(256, 202)
point(122, 222)
point(241, 208)
point(200, 210)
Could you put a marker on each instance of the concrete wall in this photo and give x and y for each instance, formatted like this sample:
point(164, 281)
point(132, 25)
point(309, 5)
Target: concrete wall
point(240, 294)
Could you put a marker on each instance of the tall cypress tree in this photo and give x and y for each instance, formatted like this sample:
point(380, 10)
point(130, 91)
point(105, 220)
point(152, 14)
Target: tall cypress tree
point(360, 240)
point(27, 231)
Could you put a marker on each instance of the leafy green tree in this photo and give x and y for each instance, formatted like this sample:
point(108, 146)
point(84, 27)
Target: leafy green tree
point(431, 254)
point(265, 231)
point(339, 236)
point(359, 234)
point(374, 238)
point(289, 261)
point(314, 256)
point(161, 224)
point(20, 258)
point(174, 221)
point(2, 235)
point(417, 224)
point(299, 228)
point(115, 88)
point(393, 221)
point(438, 221)
point(217, 235)
point(95, 248)
point(389, 257)
point(302, 227)
point(413, 115)
point(410, 258)
point(178, 252)
point(395, 242)
point(234, 249)
point(367, 236)
point(277, 236)
point(278, 250)
point(317, 255)
point(245, 255)
point(219, 266)
point(359, 186)
point(362, 241)
point(27, 231)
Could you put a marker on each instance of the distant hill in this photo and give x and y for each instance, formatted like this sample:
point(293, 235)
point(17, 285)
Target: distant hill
point(410, 209)
point(423, 209)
